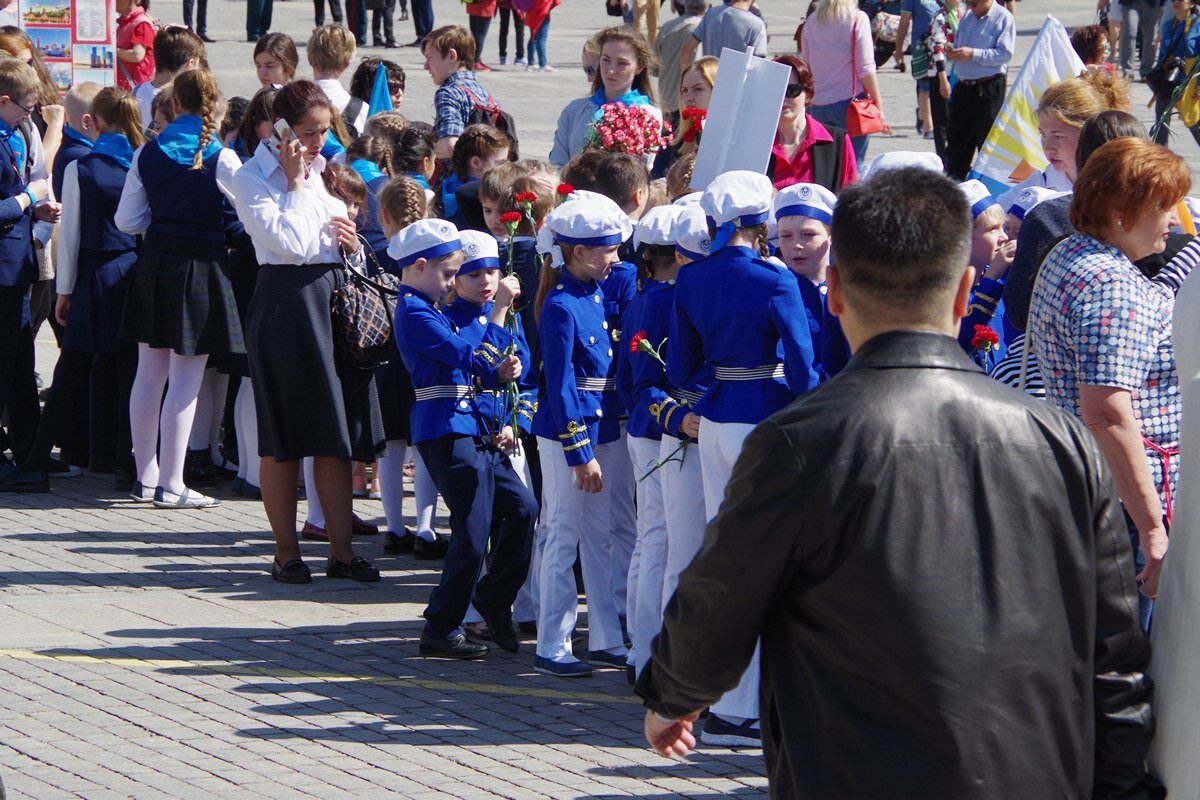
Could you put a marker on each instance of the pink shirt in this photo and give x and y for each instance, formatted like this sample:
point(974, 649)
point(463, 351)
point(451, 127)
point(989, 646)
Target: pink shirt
point(799, 168)
point(825, 47)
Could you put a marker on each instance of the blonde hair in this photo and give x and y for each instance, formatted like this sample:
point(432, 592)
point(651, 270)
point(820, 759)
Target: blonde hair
point(679, 177)
point(1076, 100)
point(330, 48)
point(196, 93)
point(835, 10)
point(403, 200)
point(990, 217)
point(120, 110)
point(18, 80)
point(78, 102)
point(708, 68)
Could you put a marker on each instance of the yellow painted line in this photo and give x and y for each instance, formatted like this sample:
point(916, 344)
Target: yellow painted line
point(236, 670)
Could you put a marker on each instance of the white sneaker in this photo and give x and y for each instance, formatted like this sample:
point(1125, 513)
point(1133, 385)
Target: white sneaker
point(532, 68)
point(519, 62)
point(548, 68)
point(189, 499)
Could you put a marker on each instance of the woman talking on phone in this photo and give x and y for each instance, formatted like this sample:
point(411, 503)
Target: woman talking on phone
point(308, 403)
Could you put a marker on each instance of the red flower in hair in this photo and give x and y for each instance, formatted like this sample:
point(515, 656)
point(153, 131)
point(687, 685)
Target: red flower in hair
point(565, 189)
point(511, 217)
point(525, 197)
point(985, 339)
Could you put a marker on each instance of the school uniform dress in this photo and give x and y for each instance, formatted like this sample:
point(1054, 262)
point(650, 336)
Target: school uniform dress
point(576, 358)
point(307, 403)
point(452, 422)
point(734, 313)
point(181, 297)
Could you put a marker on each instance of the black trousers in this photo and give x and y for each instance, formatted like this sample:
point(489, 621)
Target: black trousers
point(201, 7)
point(386, 18)
point(479, 29)
point(258, 18)
point(518, 32)
point(973, 109)
point(18, 390)
point(480, 487)
point(356, 20)
point(939, 112)
point(335, 8)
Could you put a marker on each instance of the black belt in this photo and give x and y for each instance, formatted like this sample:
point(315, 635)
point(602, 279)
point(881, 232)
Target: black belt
point(979, 81)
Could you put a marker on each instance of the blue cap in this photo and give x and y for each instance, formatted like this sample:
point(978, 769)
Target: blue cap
point(425, 238)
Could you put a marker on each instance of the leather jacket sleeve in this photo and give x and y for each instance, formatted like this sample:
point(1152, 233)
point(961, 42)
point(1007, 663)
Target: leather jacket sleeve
point(749, 553)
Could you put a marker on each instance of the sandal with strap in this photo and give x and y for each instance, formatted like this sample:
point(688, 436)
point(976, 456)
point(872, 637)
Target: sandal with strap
point(189, 499)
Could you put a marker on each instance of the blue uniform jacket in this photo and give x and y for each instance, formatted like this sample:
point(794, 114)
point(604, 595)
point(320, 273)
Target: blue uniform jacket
point(448, 371)
point(619, 289)
point(472, 323)
point(733, 310)
point(17, 264)
point(576, 364)
point(813, 296)
point(986, 304)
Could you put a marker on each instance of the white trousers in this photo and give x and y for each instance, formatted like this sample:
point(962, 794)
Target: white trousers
point(644, 617)
point(720, 446)
point(620, 483)
point(525, 608)
point(683, 508)
point(575, 520)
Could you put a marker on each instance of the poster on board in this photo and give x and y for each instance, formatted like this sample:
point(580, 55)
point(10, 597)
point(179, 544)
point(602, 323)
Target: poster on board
point(75, 38)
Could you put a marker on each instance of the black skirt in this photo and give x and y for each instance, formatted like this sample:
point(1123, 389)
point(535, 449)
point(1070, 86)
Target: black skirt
point(308, 402)
point(396, 398)
point(181, 298)
point(101, 285)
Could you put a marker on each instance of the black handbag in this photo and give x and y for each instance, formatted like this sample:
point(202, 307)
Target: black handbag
point(362, 311)
point(614, 8)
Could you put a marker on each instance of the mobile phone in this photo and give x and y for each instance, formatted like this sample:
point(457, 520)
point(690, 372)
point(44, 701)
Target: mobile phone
point(282, 133)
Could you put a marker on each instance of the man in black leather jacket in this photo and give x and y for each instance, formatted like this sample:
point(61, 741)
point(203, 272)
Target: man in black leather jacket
point(937, 564)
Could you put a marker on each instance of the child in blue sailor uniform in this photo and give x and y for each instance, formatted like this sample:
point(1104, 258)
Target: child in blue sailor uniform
point(991, 255)
point(459, 443)
point(645, 324)
point(734, 311)
point(803, 216)
point(576, 363)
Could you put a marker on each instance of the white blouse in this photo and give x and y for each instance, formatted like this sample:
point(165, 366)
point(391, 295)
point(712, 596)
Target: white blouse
point(133, 212)
point(286, 227)
point(66, 248)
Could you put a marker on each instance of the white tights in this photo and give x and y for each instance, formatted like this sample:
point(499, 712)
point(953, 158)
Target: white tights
point(316, 515)
point(159, 423)
point(210, 407)
point(246, 419)
point(425, 494)
point(390, 471)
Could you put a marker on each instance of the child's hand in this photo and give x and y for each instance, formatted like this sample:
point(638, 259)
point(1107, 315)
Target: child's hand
point(62, 309)
point(346, 233)
point(508, 290)
point(40, 189)
point(588, 477)
point(504, 440)
point(509, 369)
point(690, 425)
point(47, 212)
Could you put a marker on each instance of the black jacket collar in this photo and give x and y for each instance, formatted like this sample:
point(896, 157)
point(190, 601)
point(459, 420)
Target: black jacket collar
point(908, 349)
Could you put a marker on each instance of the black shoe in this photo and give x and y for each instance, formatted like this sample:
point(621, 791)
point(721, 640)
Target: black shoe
point(123, 480)
point(57, 468)
point(377, 43)
point(454, 646)
point(431, 551)
point(395, 543)
point(15, 480)
point(101, 467)
point(294, 571)
point(78, 458)
point(500, 625)
point(414, 43)
point(206, 38)
point(528, 628)
point(391, 45)
point(198, 469)
point(404, 15)
point(357, 570)
point(225, 471)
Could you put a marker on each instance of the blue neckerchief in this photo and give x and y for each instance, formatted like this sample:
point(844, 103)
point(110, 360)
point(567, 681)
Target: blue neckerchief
point(631, 98)
point(180, 140)
point(77, 137)
point(16, 146)
point(449, 201)
point(367, 170)
point(724, 234)
point(331, 147)
point(116, 146)
point(421, 180)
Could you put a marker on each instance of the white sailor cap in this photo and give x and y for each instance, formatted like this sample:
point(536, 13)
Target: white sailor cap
point(739, 196)
point(689, 199)
point(805, 200)
point(691, 234)
point(425, 238)
point(1029, 198)
point(589, 219)
point(898, 160)
point(773, 230)
point(480, 251)
point(657, 226)
point(978, 195)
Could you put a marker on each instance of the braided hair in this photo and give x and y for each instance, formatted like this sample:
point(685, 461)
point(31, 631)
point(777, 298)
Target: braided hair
point(196, 93)
point(371, 148)
point(403, 200)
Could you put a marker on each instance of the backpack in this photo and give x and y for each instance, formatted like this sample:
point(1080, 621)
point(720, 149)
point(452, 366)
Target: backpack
point(489, 113)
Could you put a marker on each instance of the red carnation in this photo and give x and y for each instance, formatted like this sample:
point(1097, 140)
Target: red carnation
point(636, 342)
point(565, 189)
point(985, 339)
point(510, 217)
point(526, 197)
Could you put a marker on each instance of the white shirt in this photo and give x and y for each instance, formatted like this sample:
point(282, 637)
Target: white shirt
point(145, 93)
point(1049, 178)
point(286, 227)
point(340, 99)
point(8, 15)
point(133, 212)
point(66, 248)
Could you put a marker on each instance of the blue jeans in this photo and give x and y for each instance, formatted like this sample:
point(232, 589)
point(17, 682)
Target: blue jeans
point(422, 17)
point(835, 114)
point(537, 45)
point(1145, 604)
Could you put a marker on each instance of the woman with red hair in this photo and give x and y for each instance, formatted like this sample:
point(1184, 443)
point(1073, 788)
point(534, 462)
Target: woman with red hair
point(806, 151)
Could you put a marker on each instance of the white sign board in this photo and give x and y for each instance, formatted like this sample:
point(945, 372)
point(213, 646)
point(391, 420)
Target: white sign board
point(742, 116)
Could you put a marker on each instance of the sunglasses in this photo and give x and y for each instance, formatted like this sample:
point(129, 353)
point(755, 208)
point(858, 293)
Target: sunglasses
point(590, 71)
point(794, 90)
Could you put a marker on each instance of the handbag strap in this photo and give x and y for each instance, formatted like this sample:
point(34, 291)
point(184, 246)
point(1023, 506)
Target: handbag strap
point(854, 55)
point(361, 278)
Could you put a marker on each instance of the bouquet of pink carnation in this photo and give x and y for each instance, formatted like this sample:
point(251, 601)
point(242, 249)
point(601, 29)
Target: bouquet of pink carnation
point(628, 129)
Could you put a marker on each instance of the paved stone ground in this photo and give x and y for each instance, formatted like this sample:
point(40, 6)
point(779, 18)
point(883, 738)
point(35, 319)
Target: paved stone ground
point(148, 654)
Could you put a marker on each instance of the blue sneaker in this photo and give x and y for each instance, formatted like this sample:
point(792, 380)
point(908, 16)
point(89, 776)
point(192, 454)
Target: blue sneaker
point(599, 658)
point(720, 732)
point(571, 669)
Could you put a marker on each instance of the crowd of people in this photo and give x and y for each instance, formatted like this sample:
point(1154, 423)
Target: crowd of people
point(583, 346)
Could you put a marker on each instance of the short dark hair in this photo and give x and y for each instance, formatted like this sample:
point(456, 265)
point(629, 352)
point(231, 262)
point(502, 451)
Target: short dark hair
point(1089, 43)
point(918, 245)
point(174, 46)
point(363, 80)
point(580, 171)
point(619, 176)
point(295, 100)
point(1102, 129)
point(804, 75)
